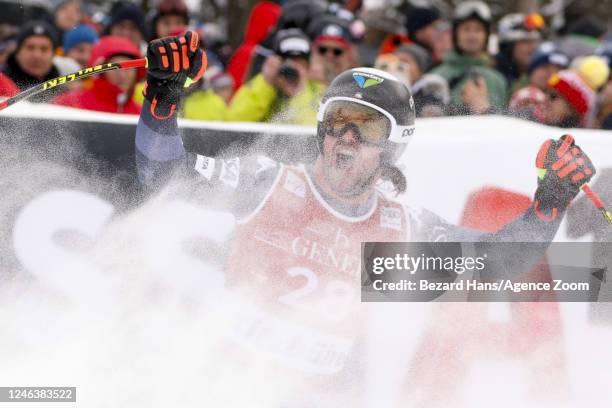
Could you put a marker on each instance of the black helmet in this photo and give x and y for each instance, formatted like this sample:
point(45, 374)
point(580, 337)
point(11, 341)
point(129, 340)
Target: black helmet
point(299, 13)
point(378, 90)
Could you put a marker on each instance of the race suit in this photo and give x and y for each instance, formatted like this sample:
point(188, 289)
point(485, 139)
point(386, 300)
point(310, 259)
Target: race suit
point(296, 251)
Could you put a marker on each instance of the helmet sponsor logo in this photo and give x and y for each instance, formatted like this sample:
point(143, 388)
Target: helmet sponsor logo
point(365, 80)
point(408, 132)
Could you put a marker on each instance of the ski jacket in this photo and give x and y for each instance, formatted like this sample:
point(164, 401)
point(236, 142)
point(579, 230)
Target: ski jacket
point(262, 19)
point(258, 101)
point(204, 105)
point(23, 80)
point(105, 96)
point(290, 241)
point(457, 69)
point(7, 86)
point(102, 97)
point(246, 182)
point(506, 66)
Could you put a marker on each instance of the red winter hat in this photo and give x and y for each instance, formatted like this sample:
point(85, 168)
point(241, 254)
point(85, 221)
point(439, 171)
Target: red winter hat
point(575, 91)
point(110, 46)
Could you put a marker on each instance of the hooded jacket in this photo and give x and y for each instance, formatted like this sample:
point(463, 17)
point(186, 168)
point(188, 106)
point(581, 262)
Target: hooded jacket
point(258, 101)
point(458, 68)
point(506, 65)
point(263, 17)
point(104, 96)
point(7, 86)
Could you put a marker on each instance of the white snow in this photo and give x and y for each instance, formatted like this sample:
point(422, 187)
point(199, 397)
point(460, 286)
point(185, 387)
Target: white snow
point(122, 310)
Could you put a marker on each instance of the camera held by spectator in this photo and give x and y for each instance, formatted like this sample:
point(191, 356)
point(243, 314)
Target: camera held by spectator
point(283, 92)
point(287, 68)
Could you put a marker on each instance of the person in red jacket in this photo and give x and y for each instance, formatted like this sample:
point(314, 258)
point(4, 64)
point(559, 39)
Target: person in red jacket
point(7, 87)
point(263, 17)
point(111, 91)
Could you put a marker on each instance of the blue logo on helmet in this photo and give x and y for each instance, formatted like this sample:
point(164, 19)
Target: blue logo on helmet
point(365, 80)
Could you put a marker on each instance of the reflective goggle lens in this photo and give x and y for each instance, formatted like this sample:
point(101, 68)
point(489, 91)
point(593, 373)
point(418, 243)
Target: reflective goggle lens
point(372, 126)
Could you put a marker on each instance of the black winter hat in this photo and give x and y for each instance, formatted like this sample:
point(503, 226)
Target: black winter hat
point(126, 11)
point(37, 28)
point(420, 17)
point(588, 26)
point(547, 53)
point(330, 26)
point(299, 13)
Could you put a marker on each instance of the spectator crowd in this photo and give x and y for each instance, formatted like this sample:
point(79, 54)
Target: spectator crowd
point(465, 61)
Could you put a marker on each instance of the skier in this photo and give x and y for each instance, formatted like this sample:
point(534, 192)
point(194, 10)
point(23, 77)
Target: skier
point(297, 240)
point(365, 121)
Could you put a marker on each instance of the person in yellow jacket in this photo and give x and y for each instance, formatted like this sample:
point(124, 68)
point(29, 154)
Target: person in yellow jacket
point(281, 93)
point(211, 101)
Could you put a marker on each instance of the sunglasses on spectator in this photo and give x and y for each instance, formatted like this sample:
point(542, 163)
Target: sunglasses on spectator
point(323, 50)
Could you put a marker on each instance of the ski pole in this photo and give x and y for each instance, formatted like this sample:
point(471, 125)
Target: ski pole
point(597, 202)
point(83, 73)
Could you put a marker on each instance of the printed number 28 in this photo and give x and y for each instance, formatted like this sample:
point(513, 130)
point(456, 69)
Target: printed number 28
point(333, 305)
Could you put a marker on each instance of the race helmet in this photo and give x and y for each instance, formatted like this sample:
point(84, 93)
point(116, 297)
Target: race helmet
point(299, 13)
point(518, 27)
point(387, 98)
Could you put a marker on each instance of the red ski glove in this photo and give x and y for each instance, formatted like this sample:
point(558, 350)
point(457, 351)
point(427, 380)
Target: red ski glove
point(562, 169)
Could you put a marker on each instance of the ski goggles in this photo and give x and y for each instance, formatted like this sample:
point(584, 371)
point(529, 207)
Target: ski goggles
point(472, 8)
point(372, 125)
